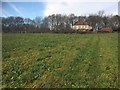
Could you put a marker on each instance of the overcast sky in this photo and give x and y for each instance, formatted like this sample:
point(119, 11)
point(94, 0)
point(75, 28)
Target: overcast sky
point(33, 8)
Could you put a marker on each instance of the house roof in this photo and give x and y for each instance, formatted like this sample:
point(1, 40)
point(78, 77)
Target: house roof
point(106, 28)
point(80, 23)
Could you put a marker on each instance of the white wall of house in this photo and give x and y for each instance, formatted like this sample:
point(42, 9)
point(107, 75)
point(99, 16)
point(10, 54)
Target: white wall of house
point(81, 27)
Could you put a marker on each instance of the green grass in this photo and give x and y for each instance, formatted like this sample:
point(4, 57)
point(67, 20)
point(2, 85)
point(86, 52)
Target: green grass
point(60, 60)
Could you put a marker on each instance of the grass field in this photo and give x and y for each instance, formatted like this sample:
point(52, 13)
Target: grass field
point(60, 60)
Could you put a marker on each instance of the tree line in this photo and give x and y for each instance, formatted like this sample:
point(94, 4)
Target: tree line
point(58, 23)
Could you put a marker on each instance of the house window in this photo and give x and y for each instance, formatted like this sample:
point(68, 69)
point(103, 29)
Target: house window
point(77, 27)
point(84, 26)
point(81, 26)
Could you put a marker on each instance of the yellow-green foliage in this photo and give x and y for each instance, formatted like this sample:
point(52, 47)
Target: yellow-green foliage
point(60, 60)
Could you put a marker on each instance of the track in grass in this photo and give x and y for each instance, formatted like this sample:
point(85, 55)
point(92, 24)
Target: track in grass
point(60, 60)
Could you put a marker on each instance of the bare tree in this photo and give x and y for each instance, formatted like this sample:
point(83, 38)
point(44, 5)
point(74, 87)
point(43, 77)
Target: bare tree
point(101, 13)
point(38, 21)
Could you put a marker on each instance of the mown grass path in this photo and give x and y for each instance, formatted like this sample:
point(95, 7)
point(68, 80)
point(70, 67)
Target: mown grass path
point(60, 60)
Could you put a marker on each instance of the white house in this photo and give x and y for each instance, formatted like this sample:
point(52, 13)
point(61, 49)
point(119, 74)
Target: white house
point(81, 26)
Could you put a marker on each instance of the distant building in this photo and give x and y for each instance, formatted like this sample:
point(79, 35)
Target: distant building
point(119, 8)
point(106, 29)
point(81, 26)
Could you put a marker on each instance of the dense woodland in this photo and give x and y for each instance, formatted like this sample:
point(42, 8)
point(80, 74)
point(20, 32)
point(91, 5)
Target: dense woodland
point(58, 23)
